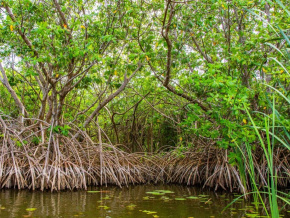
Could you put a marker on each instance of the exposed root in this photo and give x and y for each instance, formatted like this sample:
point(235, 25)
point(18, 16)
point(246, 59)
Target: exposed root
point(62, 162)
point(210, 167)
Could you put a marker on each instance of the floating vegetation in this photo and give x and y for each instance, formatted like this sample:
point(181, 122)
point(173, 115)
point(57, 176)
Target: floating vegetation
point(203, 196)
point(107, 197)
point(131, 206)
point(160, 192)
point(93, 191)
point(135, 202)
point(104, 207)
point(31, 209)
point(148, 212)
point(193, 197)
point(155, 193)
point(165, 198)
point(251, 215)
point(164, 191)
point(180, 199)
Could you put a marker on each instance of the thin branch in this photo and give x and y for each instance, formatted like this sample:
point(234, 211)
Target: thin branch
point(112, 96)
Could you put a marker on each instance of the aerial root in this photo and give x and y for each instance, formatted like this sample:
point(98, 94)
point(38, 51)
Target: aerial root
point(62, 162)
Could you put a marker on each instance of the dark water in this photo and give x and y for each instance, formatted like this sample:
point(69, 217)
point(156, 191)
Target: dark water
point(126, 202)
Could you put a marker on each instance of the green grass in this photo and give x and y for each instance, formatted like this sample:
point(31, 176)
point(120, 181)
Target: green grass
point(270, 136)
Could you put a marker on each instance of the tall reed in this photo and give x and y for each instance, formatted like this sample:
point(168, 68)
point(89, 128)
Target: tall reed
point(270, 134)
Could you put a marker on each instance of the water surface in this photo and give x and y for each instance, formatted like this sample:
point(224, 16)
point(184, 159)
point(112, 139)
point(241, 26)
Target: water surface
point(135, 201)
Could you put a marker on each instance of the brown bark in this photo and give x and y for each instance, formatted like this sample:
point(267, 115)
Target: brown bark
point(111, 97)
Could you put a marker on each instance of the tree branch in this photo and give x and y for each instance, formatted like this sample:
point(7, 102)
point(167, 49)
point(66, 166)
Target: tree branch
point(111, 97)
point(5, 82)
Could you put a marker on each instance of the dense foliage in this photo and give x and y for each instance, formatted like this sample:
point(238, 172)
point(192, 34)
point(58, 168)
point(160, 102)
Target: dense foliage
point(190, 68)
point(203, 82)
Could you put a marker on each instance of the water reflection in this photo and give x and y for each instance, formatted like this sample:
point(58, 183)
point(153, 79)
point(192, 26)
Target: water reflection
point(127, 202)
